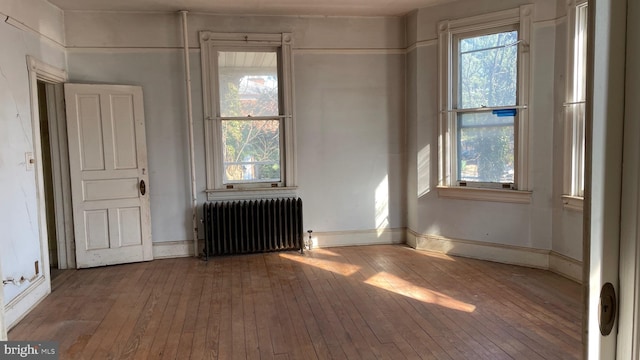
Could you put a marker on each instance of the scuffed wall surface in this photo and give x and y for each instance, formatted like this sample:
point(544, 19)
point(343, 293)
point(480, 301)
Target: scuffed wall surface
point(19, 229)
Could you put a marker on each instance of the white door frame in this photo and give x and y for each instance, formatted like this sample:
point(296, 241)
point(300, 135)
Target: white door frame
point(54, 79)
point(629, 293)
point(603, 183)
point(17, 308)
point(3, 328)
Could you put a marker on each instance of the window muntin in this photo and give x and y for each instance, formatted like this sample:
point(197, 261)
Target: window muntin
point(485, 77)
point(249, 116)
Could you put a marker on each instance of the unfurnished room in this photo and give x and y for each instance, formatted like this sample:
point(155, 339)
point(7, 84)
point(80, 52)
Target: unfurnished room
point(355, 179)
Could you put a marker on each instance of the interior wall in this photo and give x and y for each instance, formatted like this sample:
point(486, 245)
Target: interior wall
point(543, 224)
point(39, 33)
point(349, 98)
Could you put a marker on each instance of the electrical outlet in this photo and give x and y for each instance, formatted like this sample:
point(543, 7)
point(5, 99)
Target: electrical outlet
point(29, 160)
point(37, 267)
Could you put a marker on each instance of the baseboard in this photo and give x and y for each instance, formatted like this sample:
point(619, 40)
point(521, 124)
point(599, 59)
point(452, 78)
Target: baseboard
point(507, 254)
point(173, 249)
point(359, 237)
point(22, 305)
point(565, 266)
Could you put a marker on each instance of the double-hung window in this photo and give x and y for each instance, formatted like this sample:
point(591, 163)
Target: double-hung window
point(248, 111)
point(483, 103)
point(575, 106)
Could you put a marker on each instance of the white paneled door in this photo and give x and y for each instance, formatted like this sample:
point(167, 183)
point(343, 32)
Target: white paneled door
point(109, 174)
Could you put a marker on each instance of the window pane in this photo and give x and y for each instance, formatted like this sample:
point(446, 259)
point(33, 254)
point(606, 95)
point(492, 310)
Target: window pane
point(251, 150)
point(580, 51)
point(488, 70)
point(248, 83)
point(485, 148)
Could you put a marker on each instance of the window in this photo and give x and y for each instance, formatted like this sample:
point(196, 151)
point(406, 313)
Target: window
point(575, 105)
point(249, 123)
point(484, 92)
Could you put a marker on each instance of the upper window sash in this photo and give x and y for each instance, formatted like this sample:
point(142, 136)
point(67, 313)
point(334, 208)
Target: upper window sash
point(519, 18)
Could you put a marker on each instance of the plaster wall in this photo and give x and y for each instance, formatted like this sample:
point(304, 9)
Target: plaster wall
point(38, 33)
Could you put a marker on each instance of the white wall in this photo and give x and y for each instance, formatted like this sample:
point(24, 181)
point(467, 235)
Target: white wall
point(567, 224)
point(543, 224)
point(349, 92)
point(39, 35)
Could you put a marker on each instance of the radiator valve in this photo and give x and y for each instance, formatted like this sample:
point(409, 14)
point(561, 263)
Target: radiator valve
point(309, 242)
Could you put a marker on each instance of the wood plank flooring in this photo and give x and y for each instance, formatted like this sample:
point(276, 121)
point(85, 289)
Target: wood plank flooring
point(372, 302)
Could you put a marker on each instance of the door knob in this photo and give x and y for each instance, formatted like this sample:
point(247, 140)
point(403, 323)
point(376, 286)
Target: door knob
point(143, 188)
point(607, 309)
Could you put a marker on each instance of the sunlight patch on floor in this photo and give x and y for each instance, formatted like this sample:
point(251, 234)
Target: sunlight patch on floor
point(326, 252)
point(389, 282)
point(328, 265)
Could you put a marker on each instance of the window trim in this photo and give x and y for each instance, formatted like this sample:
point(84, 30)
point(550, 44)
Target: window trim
point(210, 43)
point(573, 184)
point(450, 29)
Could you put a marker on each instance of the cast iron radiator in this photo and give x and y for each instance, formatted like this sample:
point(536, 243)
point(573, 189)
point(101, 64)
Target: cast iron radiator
point(243, 227)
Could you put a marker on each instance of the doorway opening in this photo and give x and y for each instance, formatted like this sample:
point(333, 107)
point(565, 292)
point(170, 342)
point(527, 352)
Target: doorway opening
point(47, 178)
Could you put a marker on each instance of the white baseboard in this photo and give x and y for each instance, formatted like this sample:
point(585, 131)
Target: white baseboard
point(358, 237)
point(508, 254)
point(173, 249)
point(565, 266)
point(19, 307)
point(184, 248)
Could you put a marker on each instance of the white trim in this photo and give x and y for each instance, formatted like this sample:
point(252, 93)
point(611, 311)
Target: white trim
point(447, 123)
point(24, 27)
point(573, 140)
point(3, 327)
point(507, 254)
point(173, 249)
point(61, 178)
point(248, 194)
point(572, 202)
point(629, 290)
point(45, 71)
point(565, 266)
point(482, 194)
point(28, 299)
point(351, 51)
point(550, 22)
point(41, 287)
point(358, 237)
point(209, 41)
point(127, 50)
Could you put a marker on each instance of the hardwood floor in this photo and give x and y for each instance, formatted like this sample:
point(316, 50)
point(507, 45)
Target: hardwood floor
point(373, 302)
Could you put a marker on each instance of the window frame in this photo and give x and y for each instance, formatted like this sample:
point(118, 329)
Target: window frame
point(449, 30)
point(210, 44)
point(575, 106)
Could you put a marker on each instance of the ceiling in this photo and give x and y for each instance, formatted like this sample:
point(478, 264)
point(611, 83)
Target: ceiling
point(257, 7)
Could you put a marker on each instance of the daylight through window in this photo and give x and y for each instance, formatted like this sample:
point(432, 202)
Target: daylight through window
point(486, 78)
point(248, 107)
point(249, 116)
point(484, 90)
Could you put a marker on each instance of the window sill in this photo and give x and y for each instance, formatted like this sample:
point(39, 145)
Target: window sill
point(572, 202)
point(251, 193)
point(478, 194)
